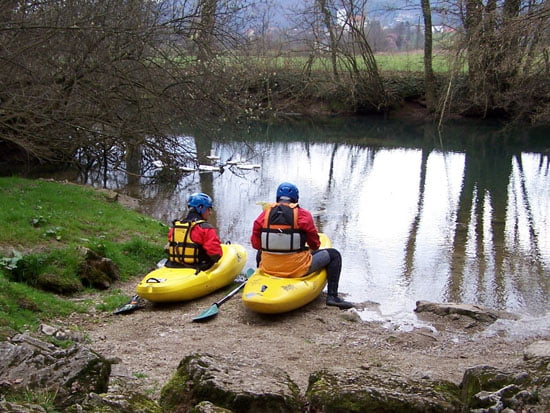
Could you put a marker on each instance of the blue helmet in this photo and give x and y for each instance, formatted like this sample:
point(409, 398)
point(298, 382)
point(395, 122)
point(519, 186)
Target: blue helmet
point(289, 190)
point(200, 201)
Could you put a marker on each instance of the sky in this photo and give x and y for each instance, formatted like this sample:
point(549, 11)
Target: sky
point(376, 8)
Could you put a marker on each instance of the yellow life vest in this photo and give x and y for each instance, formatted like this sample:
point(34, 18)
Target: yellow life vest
point(181, 248)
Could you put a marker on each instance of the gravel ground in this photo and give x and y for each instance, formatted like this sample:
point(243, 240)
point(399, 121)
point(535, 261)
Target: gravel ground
point(150, 342)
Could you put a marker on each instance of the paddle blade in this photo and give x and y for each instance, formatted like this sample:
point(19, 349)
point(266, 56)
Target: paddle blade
point(213, 310)
point(130, 306)
point(208, 313)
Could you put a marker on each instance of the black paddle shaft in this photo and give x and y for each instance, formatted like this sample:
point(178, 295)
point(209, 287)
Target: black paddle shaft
point(231, 294)
point(213, 310)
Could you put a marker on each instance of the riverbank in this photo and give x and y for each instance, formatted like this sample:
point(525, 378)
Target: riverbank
point(150, 342)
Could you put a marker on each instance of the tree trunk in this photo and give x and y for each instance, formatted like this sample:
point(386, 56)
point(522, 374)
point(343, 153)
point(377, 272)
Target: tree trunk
point(511, 8)
point(429, 79)
point(133, 161)
point(205, 35)
point(473, 28)
point(327, 19)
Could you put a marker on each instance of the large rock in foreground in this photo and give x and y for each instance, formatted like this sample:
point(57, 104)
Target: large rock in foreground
point(525, 388)
point(339, 391)
point(30, 364)
point(236, 385)
point(78, 378)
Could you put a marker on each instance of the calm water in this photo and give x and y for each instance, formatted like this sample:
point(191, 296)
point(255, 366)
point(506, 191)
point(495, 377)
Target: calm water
point(463, 216)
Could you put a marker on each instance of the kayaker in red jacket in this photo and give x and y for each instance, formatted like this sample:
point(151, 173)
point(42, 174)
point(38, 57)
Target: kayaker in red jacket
point(288, 243)
point(192, 241)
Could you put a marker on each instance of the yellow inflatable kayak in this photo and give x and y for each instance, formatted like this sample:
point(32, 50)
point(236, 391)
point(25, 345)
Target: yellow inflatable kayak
point(181, 284)
point(266, 293)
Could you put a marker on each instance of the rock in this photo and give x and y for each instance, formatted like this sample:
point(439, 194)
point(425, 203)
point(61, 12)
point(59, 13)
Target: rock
point(538, 351)
point(47, 329)
point(62, 334)
point(357, 391)
point(28, 364)
point(9, 407)
point(231, 385)
point(109, 194)
point(207, 407)
point(487, 389)
point(478, 313)
point(78, 378)
point(97, 271)
point(123, 199)
point(125, 402)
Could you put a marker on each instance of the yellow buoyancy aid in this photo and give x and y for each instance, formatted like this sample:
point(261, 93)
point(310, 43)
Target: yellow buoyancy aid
point(181, 248)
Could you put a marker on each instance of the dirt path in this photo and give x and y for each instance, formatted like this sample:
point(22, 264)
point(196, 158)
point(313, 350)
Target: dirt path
point(151, 341)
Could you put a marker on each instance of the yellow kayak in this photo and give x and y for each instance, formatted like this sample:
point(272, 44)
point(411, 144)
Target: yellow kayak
point(266, 293)
point(181, 284)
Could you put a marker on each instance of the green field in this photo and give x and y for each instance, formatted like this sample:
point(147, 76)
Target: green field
point(387, 62)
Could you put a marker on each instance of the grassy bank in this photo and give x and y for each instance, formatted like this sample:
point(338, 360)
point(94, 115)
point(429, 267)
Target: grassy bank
point(42, 227)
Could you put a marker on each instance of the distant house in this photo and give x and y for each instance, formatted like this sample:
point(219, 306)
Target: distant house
point(441, 28)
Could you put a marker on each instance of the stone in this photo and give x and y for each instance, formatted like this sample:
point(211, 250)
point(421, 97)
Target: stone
point(230, 384)
point(538, 350)
point(485, 388)
point(28, 364)
point(9, 407)
point(338, 390)
point(207, 407)
point(124, 402)
point(97, 271)
point(62, 334)
point(478, 313)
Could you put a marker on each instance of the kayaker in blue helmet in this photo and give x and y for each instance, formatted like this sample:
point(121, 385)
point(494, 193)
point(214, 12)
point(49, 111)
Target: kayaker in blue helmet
point(192, 241)
point(281, 233)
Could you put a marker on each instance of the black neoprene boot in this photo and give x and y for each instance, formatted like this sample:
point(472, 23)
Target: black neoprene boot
point(333, 277)
point(338, 302)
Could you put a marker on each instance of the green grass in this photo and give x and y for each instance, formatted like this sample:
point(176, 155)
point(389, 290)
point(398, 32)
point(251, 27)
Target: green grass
point(112, 300)
point(409, 62)
point(35, 212)
point(43, 224)
point(412, 61)
point(43, 398)
point(23, 307)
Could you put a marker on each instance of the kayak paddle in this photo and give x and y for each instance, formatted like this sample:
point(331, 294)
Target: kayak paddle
point(130, 306)
point(135, 302)
point(213, 309)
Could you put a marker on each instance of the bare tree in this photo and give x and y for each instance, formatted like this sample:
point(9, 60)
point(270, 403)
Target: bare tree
point(100, 82)
point(205, 30)
point(501, 40)
point(429, 78)
point(329, 25)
